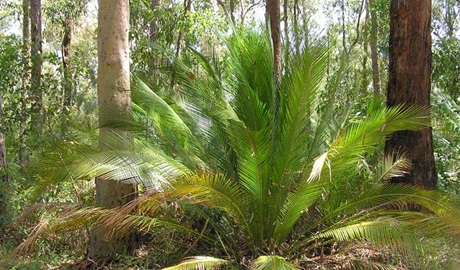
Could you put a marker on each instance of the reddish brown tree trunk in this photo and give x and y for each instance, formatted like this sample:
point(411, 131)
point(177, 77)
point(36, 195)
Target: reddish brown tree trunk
point(409, 84)
point(273, 11)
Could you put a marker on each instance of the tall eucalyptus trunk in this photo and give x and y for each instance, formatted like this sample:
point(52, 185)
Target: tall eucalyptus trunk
point(187, 6)
point(3, 163)
point(36, 72)
point(67, 62)
point(114, 98)
point(295, 23)
point(25, 82)
point(153, 31)
point(374, 50)
point(3, 175)
point(409, 84)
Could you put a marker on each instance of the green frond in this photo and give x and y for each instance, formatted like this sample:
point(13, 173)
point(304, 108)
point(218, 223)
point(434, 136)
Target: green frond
point(395, 195)
point(198, 263)
point(299, 93)
point(385, 231)
point(252, 82)
point(440, 217)
point(143, 96)
point(402, 117)
point(272, 263)
point(213, 190)
point(147, 166)
point(295, 205)
point(350, 144)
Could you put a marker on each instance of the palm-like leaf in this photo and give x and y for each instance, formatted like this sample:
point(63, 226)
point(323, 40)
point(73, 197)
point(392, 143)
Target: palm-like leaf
point(198, 262)
point(272, 263)
point(250, 146)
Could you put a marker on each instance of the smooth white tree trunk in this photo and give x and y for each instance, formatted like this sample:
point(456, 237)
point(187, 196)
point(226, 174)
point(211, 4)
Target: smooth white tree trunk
point(114, 97)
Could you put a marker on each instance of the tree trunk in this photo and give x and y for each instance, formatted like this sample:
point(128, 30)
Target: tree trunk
point(450, 17)
point(153, 24)
point(3, 176)
point(3, 167)
point(365, 71)
point(66, 62)
point(153, 29)
point(25, 82)
point(286, 31)
point(182, 28)
point(409, 84)
point(374, 49)
point(114, 98)
point(36, 93)
point(272, 10)
point(232, 11)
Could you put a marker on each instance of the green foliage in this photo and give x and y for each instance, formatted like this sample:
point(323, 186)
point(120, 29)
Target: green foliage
point(245, 154)
point(445, 66)
point(11, 64)
point(262, 167)
point(9, 9)
point(447, 141)
point(272, 263)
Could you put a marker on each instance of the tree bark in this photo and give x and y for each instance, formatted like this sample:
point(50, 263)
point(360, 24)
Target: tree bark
point(153, 24)
point(3, 163)
point(66, 62)
point(153, 30)
point(272, 10)
point(114, 98)
point(365, 37)
point(36, 56)
point(409, 84)
point(187, 7)
point(25, 82)
point(374, 49)
point(3, 175)
point(450, 17)
point(286, 31)
point(295, 22)
point(232, 11)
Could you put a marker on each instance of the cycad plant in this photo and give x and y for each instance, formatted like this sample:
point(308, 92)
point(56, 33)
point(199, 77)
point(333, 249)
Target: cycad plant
point(261, 160)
